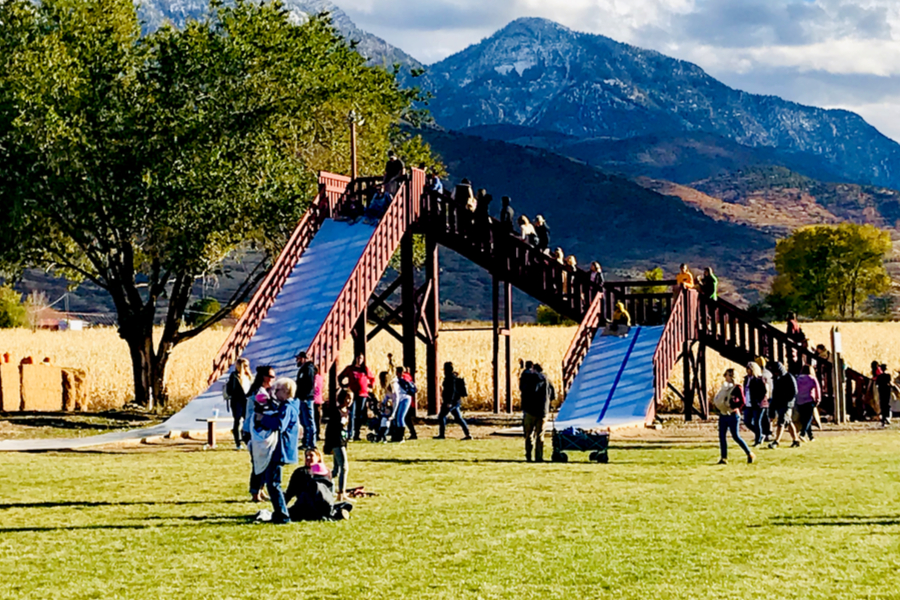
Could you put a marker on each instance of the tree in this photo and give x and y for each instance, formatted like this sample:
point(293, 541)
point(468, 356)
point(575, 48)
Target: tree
point(830, 268)
point(141, 163)
point(655, 274)
point(13, 312)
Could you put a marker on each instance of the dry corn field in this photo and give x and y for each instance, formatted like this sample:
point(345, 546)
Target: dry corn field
point(105, 356)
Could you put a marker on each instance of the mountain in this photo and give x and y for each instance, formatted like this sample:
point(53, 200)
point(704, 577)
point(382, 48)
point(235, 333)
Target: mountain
point(539, 74)
point(154, 13)
point(599, 216)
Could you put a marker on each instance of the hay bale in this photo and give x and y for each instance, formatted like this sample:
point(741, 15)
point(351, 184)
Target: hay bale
point(10, 394)
point(42, 388)
point(75, 389)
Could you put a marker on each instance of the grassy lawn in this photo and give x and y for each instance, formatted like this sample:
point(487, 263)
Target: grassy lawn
point(464, 520)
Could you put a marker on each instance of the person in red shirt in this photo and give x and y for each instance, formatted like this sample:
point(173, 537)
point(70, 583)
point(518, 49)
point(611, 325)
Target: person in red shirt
point(361, 378)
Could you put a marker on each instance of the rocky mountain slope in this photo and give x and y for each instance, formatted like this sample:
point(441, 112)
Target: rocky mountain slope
point(154, 13)
point(540, 74)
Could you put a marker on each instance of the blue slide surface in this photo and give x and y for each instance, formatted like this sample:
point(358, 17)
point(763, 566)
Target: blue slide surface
point(614, 387)
point(290, 325)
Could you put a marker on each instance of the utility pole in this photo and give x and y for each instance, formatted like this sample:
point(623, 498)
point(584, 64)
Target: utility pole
point(353, 119)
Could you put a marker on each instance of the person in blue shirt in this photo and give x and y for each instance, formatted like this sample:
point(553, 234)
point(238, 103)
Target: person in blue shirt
point(433, 183)
point(280, 432)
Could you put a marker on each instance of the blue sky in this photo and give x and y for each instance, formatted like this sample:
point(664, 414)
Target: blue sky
point(829, 53)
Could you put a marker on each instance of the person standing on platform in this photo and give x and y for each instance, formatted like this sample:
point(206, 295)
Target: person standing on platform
point(306, 395)
point(597, 277)
point(393, 174)
point(236, 390)
point(543, 234)
point(709, 284)
point(684, 280)
point(433, 182)
point(361, 379)
point(729, 402)
point(452, 393)
point(507, 216)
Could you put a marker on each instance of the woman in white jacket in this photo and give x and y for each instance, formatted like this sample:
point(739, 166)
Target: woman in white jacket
point(728, 403)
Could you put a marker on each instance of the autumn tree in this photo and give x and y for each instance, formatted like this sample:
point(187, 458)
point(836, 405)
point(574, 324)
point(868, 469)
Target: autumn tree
point(140, 163)
point(831, 268)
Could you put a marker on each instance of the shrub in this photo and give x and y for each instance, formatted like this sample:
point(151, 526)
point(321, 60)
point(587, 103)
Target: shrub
point(548, 316)
point(201, 310)
point(12, 310)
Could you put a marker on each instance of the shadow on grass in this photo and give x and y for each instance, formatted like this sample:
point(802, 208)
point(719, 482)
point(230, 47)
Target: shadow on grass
point(191, 522)
point(836, 521)
point(96, 504)
point(423, 461)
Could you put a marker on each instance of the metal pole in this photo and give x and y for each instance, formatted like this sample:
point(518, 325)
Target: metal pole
point(508, 321)
point(408, 295)
point(495, 334)
point(354, 173)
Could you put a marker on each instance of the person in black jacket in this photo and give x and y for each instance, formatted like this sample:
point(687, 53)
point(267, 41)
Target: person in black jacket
point(784, 395)
point(534, 413)
point(507, 216)
point(306, 385)
point(452, 393)
point(236, 392)
point(543, 234)
point(313, 487)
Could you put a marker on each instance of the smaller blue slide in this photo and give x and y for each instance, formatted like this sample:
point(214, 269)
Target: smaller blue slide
point(614, 387)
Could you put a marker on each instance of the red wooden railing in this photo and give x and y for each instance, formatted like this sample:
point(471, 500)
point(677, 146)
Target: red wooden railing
point(739, 336)
point(404, 210)
point(568, 291)
point(332, 193)
point(581, 342)
point(680, 327)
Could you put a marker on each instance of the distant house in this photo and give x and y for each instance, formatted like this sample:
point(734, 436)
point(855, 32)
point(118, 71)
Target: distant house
point(53, 320)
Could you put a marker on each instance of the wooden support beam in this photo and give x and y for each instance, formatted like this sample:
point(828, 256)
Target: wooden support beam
point(408, 293)
point(508, 324)
point(432, 315)
point(383, 325)
point(359, 335)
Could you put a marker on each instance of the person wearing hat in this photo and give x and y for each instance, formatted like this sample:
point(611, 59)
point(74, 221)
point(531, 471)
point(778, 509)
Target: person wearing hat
point(306, 386)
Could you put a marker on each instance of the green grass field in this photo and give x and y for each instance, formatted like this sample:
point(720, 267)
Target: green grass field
point(463, 520)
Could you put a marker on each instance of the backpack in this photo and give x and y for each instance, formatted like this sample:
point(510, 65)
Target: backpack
point(461, 391)
point(226, 390)
point(408, 387)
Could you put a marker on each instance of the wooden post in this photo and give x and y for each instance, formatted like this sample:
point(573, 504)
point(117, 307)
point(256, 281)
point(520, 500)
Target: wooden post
point(837, 377)
point(354, 172)
point(359, 334)
point(432, 314)
point(702, 390)
point(508, 319)
point(495, 334)
point(211, 433)
point(408, 300)
point(332, 382)
point(687, 359)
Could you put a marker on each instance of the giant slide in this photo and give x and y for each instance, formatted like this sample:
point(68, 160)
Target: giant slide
point(614, 387)
point(298, 313)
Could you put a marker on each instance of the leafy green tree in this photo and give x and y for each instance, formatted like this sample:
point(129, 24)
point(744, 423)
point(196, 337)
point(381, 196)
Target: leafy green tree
point(831, 268)
point(655, 275)
point(141, 163)
point(202, 310)
point(12, 311)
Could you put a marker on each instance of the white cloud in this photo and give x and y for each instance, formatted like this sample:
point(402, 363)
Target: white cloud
point(766, 44)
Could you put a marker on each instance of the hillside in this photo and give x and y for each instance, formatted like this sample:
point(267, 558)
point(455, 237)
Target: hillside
point(539, 74)
point(598, 216)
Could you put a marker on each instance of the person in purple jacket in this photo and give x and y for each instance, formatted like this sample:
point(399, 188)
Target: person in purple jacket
point(809, 395)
